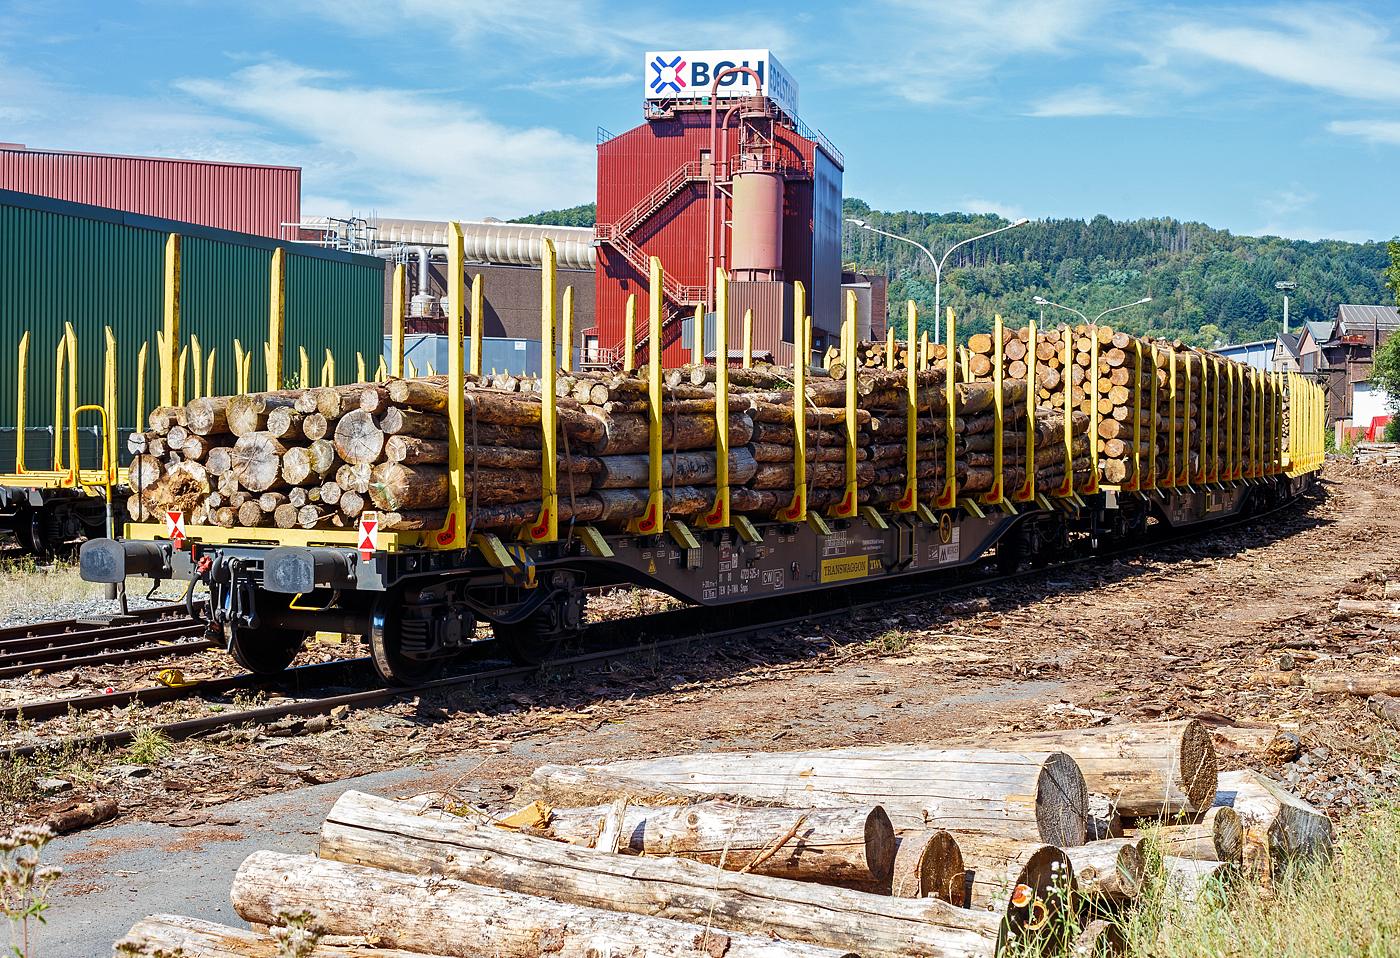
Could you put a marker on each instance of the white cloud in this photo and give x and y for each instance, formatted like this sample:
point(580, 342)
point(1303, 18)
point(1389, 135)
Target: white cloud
point(1081, 101)
point(1288, 201)
point(549, 29)
point(995, 207)
point(1318, 47)
point(406, 152)
point(952, 43)
point(1374, 131)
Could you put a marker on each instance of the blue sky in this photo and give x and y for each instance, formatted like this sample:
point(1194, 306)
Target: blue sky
point(1272, 118)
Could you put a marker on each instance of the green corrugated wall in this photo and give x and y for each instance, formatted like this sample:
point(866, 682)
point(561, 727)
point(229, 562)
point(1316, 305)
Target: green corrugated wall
point(96, 269)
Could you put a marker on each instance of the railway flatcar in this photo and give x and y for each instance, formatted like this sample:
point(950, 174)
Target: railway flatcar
point(464, 499)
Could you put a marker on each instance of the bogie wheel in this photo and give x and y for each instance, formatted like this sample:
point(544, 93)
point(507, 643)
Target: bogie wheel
point(386, 645)
point(528, 642)
point(265, 651)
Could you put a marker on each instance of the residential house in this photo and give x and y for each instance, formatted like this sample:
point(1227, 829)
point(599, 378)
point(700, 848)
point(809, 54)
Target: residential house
point(1347, 354)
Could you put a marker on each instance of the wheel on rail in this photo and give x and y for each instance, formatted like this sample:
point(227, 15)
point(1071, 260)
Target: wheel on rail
point(386, 645)
point(529, 642)
point(267, 650)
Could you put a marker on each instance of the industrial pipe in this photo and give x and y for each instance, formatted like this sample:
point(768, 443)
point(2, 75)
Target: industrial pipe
point(509, 244)
point(710, 208)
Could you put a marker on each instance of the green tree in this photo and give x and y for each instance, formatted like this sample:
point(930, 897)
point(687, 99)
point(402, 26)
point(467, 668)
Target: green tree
point(586, 215)
point(1385, 371)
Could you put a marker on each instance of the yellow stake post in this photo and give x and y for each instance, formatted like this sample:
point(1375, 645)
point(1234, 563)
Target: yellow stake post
point(397, 320)
point(546, 527)
point(171, 336)
point(994, 496)
point(181, 368)
point(948, 498)
point(60, 360)
point(276, 318)
point(697, 338)
point(22, 368)
point(651, 521)
point(197, 368)
point(209, 370)
point(109, 400)
point(453, 535)
point(889, 348)
point(71, 354)
point(909, 502)
point(566, 331)
point(718, 516)
point(1027, 491)
point(478, 321)
point(629, 342)
point(923, 350)
point(748, 339)
point(850, 502)
point(801, 356)
point(304, 372)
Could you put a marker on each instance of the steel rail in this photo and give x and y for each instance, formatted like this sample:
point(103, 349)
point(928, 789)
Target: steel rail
point(693, 635)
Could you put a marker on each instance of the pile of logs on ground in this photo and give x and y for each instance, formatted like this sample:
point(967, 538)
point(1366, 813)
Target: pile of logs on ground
point(884, 853)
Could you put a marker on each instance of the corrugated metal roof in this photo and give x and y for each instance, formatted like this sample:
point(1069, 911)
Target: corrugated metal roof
point(1361, 318)
point(244, 197)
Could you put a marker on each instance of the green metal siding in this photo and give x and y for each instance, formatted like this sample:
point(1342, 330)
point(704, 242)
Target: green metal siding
point(56, 269)
point(223, 297)
point(95, 268)
point(332, 306)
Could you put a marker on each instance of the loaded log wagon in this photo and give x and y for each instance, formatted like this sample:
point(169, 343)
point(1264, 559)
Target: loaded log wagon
point(409, 511)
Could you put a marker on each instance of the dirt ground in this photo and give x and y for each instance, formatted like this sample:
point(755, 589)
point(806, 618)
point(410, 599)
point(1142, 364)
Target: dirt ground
point(1182, 633)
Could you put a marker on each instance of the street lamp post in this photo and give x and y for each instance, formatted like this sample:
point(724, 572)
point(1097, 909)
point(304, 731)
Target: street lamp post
point(1042, 301)
point(937, 264)
point(1285, 287)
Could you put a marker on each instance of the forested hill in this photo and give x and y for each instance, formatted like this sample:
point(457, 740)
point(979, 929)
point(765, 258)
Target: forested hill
point(1207, 285)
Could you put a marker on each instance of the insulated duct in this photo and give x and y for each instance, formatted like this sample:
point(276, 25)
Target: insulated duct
point(508, 244)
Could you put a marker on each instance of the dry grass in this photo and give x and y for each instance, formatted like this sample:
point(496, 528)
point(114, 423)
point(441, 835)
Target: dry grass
point(29, 589)
point(1349, 909)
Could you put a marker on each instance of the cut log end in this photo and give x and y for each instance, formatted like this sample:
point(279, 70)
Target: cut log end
point(1062, 801)
point(1199, 771)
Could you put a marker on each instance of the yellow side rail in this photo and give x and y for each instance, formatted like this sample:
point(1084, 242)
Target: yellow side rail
point(850, 501)
point(718, 516)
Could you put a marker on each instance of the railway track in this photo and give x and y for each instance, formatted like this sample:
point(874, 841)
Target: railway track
point(74, 643)
point(612, 640)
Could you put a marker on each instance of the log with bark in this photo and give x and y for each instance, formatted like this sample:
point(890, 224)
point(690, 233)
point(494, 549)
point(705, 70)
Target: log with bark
point(432, 914)
point(1217, 837)
point(808, 844)
point(999, 868)
point(1109, 870)
point(1033, 796)
point(1280, 829)
point(363, 829)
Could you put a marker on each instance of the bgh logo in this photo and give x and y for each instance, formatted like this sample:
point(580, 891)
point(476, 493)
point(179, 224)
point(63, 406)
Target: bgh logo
point(668, 75)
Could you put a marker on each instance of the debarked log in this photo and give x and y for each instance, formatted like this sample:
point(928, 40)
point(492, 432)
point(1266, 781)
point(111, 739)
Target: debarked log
point(1033, 796)
point(822, 844)
point(429, 913)
point(197, 938)
point(1146, 769)
point(364, 829)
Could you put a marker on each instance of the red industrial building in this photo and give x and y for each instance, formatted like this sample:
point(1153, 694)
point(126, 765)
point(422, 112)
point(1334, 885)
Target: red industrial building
point(776, 208)
point(242, 197)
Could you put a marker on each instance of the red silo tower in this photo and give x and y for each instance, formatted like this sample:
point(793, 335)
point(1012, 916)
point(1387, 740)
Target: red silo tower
point(735, 182)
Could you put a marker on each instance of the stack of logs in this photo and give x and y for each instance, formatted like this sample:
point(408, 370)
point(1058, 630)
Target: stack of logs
point(961, 852)
point(317, 458)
